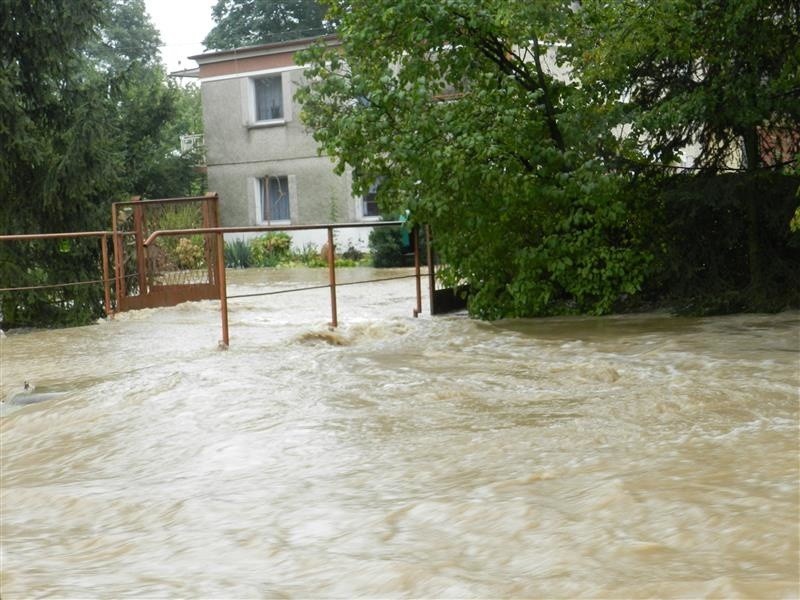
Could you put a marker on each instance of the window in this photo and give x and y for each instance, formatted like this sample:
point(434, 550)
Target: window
point(274, 192)
point(369, 201)
point(268, 98)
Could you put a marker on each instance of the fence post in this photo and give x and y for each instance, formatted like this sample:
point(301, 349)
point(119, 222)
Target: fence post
point(141, 265)
point(210, 219)
point(106, 278)
point(332, 277)
point(223, 291)
point(119, 276)
point(431, 266)
point(417, 274)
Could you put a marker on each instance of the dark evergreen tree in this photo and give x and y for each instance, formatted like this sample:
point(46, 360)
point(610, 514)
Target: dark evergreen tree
point(250, 22)
point(85, 111)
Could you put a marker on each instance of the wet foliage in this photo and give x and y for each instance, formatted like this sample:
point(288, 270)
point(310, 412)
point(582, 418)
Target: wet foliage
point(87, 117)
point(540, 140)
point(709, 260)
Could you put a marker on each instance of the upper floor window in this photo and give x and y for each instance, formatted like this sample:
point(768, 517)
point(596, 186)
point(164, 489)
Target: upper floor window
point(268, 92)
point(274, 191)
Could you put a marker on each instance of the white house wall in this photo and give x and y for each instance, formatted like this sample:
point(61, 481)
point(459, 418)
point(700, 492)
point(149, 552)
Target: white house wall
point(239, 152)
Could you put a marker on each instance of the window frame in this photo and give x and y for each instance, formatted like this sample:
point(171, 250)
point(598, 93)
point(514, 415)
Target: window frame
point(252, 83)
point(264, 201)
point(370, 197)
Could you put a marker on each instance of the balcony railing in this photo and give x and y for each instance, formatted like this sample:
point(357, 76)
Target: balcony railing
point(194, 142)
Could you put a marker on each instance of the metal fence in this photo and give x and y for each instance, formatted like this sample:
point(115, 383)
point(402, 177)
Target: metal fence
point(331, 259)
point(169, 251)
point(174, 269)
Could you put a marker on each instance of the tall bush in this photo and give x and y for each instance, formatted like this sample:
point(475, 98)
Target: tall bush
point(271, 249)
point(386, 247)
point(238, 254)
point(701, 238)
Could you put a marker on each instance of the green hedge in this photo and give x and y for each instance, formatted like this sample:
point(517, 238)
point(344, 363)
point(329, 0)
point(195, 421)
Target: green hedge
point(724, 243)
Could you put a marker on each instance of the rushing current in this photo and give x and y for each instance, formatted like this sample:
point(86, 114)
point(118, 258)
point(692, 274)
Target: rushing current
point(618, 457)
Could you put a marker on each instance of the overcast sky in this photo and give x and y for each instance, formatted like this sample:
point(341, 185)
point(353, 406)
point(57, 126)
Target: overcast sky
point(183, 24)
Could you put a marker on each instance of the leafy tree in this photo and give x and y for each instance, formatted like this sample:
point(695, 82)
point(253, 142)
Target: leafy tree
point(550, 193)
point(83, 122)
point(127, 39)
point(57, 157)
point(189, 111)
point(250, 22)
point(151, 111)
point(452, 102)
point(52, 116)
point(719, 78)
point(176, 176)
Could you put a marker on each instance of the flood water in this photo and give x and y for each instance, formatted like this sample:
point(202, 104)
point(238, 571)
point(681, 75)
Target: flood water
point(617, 457)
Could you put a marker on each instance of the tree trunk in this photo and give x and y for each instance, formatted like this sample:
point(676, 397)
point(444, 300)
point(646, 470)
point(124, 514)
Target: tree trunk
point(752, 160)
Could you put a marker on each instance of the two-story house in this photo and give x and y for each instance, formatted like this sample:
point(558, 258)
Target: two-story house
point(261, 159)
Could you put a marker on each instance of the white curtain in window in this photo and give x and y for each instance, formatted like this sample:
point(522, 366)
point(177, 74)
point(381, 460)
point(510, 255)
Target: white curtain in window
point(269, 98)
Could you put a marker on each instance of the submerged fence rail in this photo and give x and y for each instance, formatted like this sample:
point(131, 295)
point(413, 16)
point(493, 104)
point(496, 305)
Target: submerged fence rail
point(217, 266)
point(331, 256)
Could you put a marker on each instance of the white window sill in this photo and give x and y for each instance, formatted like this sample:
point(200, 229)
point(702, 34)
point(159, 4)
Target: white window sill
point(371, 219)
point(270, 123)
point(276, 223)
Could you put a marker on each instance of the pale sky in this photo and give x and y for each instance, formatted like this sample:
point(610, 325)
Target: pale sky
point(182, 24)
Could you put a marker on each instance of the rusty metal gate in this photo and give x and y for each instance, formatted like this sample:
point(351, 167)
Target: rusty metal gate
point(175, 269)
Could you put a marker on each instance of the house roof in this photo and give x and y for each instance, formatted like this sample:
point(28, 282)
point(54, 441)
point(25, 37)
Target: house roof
point(195, 72)
point(288, 46)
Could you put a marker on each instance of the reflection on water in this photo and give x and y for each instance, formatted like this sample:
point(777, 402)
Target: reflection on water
point(395, 457)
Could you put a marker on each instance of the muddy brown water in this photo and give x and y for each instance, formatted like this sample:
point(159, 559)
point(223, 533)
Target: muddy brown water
point(630, 456)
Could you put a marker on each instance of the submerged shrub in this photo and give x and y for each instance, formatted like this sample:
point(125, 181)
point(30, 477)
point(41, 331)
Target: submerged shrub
point(386, 246)
point(311, 256)
point(189, 254)
point(352, 253)
point(238, 254)
point(271, 249)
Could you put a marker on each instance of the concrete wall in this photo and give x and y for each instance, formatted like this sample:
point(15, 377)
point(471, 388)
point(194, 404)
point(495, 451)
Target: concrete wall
point(239, 152)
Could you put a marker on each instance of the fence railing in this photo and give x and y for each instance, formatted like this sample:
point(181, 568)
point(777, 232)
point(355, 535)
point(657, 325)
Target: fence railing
point(177, 270)
point(219, 263)
point(106, 280)
point(331, 259)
